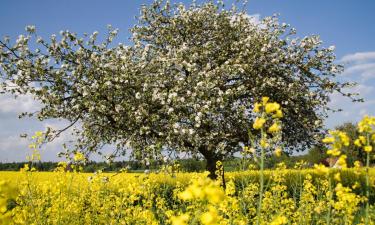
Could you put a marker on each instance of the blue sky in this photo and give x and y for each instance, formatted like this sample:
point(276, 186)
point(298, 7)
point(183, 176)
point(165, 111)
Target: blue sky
point(346, 24)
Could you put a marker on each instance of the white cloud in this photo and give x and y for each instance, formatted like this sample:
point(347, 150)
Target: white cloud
point(360, 68)
point(361, 64)
point(359, 57)
point(352, 112)
point(15, 148)
point(364, 71)
point(23, 103)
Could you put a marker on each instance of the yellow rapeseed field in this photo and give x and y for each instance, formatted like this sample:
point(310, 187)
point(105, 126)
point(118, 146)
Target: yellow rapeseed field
point(290, 197)
point(319, 195)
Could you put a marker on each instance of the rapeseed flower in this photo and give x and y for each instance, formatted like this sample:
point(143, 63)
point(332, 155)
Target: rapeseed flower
point(367, 148)
point(257, 107)
point(274, 128)
point(321, 169)
point(280, 220)
point(180, 220)
point(258, 123)
point(263, 143)
point(278, 152)
point(272, 107)
point(278, 114)
point(211, 217)
point(78, 157)
point(265, 100)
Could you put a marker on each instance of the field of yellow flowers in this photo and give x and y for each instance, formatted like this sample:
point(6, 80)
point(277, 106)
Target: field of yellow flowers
point(319, 195)
point(291, 196)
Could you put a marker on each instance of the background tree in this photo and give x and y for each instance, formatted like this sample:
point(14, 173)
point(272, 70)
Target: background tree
point(187, 83)
point(352, 151)
point(316, 155)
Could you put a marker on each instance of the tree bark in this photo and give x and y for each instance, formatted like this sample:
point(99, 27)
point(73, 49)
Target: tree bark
point(212, 159)
point(211, 167)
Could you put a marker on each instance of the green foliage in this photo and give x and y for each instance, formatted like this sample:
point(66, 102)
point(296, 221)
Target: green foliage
point(316, 155)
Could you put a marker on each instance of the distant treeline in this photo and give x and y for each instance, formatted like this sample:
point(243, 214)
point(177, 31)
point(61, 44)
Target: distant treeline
point(187, 165)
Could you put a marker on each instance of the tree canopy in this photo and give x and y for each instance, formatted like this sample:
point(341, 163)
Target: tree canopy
point(187, 82)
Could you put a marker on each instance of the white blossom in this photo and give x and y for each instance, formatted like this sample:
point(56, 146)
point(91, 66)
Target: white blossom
point(331, 48)
point(170, 110)
point(30, 28)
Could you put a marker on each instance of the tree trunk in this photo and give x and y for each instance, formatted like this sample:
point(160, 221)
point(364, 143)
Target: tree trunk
point(212, 160)
point(211, 167)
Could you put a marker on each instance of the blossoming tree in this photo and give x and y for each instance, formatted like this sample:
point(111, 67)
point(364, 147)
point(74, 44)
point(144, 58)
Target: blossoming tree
point(187, 83)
